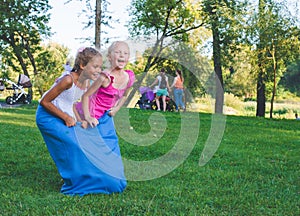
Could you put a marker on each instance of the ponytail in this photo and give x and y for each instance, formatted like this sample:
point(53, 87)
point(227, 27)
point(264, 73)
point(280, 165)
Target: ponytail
point(180, 74)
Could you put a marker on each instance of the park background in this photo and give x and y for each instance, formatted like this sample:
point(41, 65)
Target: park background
point(240, 58)
point(245, 47)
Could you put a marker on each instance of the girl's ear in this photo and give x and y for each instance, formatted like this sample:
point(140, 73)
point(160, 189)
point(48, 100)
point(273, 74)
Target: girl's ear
point(81, 66)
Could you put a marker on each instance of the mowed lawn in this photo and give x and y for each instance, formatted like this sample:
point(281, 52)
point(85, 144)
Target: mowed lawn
point(254, 167)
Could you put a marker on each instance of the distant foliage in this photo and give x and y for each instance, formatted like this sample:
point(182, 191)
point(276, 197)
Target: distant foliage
point(291, 78)
point(23, 24)
point(50, 65)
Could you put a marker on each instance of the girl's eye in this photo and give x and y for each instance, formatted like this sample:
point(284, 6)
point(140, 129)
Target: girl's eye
point(124, 53)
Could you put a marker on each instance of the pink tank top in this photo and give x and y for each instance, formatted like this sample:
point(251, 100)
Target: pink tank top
point(105, 98)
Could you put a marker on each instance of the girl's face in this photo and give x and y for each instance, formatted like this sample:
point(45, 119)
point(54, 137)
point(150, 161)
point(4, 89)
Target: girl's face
point(119, 57)
point(93, 68)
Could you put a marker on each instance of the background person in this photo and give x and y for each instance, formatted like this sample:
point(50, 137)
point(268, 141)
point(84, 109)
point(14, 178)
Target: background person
point(161, 89)
point(178, 90)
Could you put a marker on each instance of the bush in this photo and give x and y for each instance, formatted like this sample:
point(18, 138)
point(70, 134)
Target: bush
point(232, 101)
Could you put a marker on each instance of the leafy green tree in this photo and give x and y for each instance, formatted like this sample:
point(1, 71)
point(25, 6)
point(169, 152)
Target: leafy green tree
point(224, 19)
point(165, 24)
point(274, 39)
point(239, 78)
point(23, 24)
point(49, 63)
point(291, 78)
point(162, 20)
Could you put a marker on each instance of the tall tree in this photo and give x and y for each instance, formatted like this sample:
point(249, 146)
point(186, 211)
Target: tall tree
point(223, 18)
point(275, 41)
point(97, 15)
point(162, 20)
point(98, 24)
point(49, 62)
point(261, 86)
point(163, 23)
point(22, 24)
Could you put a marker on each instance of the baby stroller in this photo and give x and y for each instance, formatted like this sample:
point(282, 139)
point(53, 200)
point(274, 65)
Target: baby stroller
point(19, 93)
point(147, 100)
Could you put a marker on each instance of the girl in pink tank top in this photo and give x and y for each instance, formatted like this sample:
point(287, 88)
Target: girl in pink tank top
point(109, 91)
point(97, 135)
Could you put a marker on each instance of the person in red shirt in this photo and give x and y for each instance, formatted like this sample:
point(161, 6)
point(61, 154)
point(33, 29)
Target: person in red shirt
point(178, 91)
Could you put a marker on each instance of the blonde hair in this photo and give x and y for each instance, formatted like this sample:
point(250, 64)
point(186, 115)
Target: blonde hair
point(112, 47)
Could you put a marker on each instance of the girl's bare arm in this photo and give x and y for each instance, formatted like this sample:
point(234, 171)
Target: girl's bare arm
point(119, 104)
point(154, 83)
point(174, 81)
point(86, 96)
point(65, 83)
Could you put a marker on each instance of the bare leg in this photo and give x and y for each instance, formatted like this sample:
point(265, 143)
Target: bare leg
point(157, 103)
point(164, 102)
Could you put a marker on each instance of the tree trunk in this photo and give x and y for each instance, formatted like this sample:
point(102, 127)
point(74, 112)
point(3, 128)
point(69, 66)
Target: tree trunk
point(18, 54)
point(260, 95)
point(218, 70)
point(98, 24)
point(260, 87)
point(274, 81)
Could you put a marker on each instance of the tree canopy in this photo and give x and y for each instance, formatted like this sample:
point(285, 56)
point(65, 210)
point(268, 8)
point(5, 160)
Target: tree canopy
point(23, 23)
point(161, 20)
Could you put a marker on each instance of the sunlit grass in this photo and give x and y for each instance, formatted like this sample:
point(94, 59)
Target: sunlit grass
point(235, 106)
point(255, 171)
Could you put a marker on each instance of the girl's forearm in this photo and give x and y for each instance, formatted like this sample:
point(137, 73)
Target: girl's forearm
point(122, 100)
point(119, 104)
point(85, 106)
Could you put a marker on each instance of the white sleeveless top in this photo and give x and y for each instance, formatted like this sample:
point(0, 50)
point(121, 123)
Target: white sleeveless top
point(65, 100)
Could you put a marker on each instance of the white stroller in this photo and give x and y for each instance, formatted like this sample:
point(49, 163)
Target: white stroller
point(19, 93)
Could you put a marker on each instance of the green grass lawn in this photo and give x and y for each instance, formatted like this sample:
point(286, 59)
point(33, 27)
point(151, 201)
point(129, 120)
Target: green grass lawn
point(254, 171)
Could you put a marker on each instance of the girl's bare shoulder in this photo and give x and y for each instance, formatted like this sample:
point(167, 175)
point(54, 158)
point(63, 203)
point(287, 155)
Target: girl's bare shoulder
point(65, 81)
point(103, 80)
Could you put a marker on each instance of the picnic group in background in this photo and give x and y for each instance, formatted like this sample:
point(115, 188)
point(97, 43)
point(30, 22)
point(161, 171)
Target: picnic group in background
point(161, 84)
point(81, 136)
point(178, 90)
